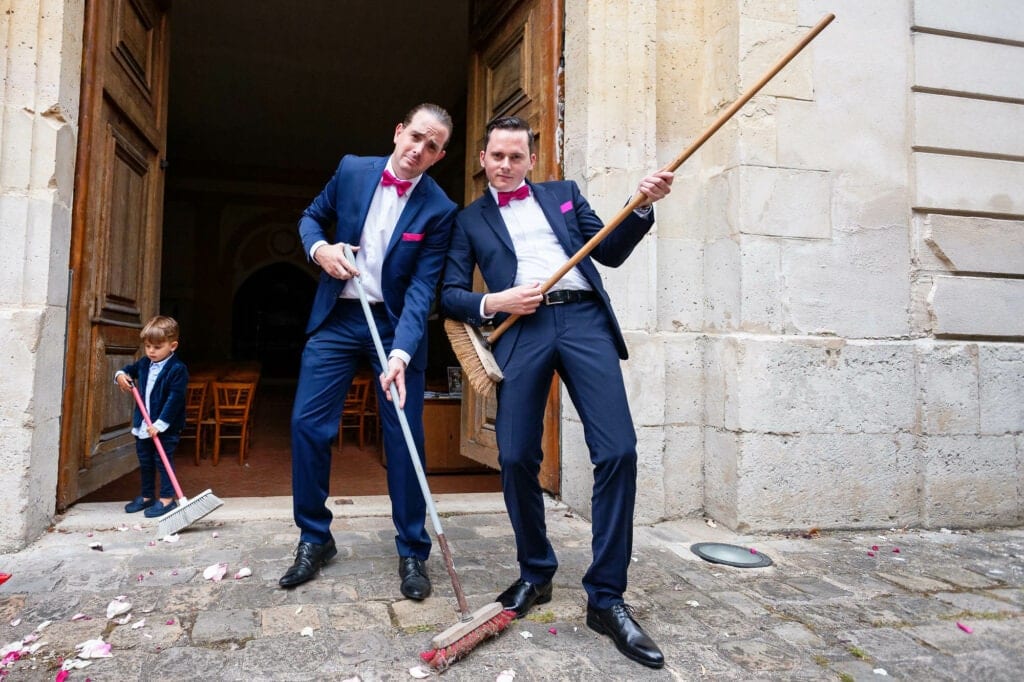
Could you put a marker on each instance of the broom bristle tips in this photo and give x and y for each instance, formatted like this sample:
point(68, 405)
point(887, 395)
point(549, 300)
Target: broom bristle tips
point(478, 365)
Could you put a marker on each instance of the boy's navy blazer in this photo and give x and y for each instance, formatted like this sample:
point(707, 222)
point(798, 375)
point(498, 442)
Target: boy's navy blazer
point(414, 257)
point(481, 238)
point(167, 401)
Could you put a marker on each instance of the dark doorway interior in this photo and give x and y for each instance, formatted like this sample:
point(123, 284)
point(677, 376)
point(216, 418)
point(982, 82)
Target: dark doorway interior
point(264, 100)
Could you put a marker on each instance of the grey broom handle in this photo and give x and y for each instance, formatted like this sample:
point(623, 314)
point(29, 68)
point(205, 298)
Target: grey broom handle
point(639, 197)
point(413, 452)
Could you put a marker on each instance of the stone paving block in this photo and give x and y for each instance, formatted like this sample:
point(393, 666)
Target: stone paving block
point(159, 631)
point(977, 605)
point(817, 587)
point(740, 602)
point(293, 657)
point(959, 577)
point(889, 644)
point(758, 656)
point(915, 583)
point(212, 627)
point(359, 616)
point(320, 591)
point(290, 619)
point(991, 665)
point(1016, 596)
point(412, 615)
point(796, 633)
point(192, 663)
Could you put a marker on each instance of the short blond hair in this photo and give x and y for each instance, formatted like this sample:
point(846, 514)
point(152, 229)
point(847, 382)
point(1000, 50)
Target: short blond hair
point(159, 329)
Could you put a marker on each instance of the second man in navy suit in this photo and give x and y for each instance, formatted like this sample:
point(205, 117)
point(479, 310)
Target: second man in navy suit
point(519, 233)
point(398, 222)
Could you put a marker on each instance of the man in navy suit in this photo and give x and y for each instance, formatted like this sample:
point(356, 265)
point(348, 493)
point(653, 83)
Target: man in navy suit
point(398, 222)
point(519, 233)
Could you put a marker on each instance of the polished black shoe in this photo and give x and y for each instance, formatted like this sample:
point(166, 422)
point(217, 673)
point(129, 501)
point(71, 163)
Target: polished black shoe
point(309, 557)
point(415, 581)
point(522, 595)
point(618, 623)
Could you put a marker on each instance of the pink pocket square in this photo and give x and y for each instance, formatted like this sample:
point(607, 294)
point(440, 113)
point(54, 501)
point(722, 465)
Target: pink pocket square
point(412, 236)
point(566, 207)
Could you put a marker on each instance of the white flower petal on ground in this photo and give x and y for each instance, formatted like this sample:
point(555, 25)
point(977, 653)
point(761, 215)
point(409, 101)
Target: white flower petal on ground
point(526, 634)
point(506, 676)
point(16, 622)
point(138, 624)
point(93, 648)
point(79, 616)
point(75, 664)
point(307, 631)
point(42, 626)
point(171, 538)
point(419, 672)
point(244, 572)
point(123, 620)
point(118, 607)
point(692, 602)
point(98, 546)
point(215, 572)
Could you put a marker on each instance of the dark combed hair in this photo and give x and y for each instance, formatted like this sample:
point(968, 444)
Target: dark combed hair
point(510, 123)
point(437, 112)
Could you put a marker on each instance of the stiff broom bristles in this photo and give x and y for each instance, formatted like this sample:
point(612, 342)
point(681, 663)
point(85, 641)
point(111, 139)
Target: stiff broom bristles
point(187, 513)
point(478, 365)
point(441, 659)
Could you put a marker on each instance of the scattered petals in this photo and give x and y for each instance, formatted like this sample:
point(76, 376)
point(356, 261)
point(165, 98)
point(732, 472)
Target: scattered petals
point(871, 554)
point(553, 631)
point(88, 535)
point(118, 607)
point(298, 611)
point(151, 543)
point(506, 676)
point(74, 664)
point(874, 548)
point(244, 572)
point(215, 535)
point(174, 572)
point(881, 671)
point(93, 648)
point(98, 546)
point(307, 631)
point(61, 676)
point(215, 572)
point(29, 638)
point(419, 672)
point(171, 538)
point(526, 634)
point(753, 551)
point(16, 622)
point(35, 647)
point(170, 621)
point(138, 624)
point(692, 602)
point(79, 616)
point(966, 628)
point(123, 620)
point(895, 550)
point(42, 626)
point(137, 527)
point(122, 528)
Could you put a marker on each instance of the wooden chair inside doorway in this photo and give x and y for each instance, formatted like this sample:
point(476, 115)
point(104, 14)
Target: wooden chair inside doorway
point(232, 414)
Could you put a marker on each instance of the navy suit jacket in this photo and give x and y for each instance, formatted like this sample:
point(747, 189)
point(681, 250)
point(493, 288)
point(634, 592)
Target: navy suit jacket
point(414, 257)
point(167, 401)
point(481, 238)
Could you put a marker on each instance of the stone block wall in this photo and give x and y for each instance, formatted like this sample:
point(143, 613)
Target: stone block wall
point(40, 72)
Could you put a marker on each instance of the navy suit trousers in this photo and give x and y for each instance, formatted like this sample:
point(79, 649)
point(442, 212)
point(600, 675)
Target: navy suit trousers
point(329, 362)
point(577, 341)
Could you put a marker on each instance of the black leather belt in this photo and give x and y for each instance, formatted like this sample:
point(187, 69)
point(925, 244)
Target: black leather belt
point(568, 296)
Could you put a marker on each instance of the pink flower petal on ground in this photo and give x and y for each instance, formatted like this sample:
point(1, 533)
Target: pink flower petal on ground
point(215, 572)
point(79, 616)
point(151, 543)
point(243, 573)
point(170, 621)
point(553, 631)
point(871, 554)
point(966, 628)
point(93, 648)
point(61, 676)
point(895, 550)
point(753, 551)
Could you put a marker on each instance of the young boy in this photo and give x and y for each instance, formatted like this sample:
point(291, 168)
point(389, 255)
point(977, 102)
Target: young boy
point(162, 380)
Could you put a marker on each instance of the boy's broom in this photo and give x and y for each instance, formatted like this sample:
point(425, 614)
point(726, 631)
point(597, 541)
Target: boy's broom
point(486, 621)
point(473, 350)
point(188, 511)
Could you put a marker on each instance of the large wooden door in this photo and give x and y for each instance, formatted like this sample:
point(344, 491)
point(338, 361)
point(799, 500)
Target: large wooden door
point(116, 234)
point(514, 70)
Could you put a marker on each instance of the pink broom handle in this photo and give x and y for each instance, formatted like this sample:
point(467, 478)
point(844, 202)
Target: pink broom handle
point(156, 441)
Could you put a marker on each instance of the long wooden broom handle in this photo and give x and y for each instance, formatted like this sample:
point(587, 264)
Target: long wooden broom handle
point(639, 197)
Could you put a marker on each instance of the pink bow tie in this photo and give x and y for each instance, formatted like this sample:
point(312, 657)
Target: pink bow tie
point(505, 197)
point(389, 180)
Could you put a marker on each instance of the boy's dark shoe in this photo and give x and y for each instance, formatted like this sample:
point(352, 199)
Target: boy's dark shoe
point(138, 504)
point(159, 509)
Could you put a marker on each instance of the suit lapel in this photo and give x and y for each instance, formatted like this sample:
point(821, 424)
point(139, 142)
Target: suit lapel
point(492, 216)
point(365, 184)
point(417, 200)
point(553, 212)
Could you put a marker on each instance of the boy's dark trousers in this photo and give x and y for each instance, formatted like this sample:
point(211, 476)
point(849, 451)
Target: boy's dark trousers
point(150, 463)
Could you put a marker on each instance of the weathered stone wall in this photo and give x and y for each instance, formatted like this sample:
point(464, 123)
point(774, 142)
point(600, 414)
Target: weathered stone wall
point(40, 72)
point(825, 329)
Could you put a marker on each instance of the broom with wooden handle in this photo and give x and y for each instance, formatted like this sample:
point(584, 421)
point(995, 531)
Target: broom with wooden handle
point(473, 350)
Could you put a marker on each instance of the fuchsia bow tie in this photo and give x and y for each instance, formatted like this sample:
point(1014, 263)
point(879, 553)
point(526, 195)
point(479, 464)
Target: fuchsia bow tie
point(505, 197)
point(389, 180)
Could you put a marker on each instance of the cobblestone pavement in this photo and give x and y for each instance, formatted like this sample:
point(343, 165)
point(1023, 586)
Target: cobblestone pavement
point(929, 605)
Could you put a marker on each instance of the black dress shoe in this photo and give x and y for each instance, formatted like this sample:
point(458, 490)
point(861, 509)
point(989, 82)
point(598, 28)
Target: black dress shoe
point(309, 557)
point(522, 595)
point(617, 622)
point(415, 583)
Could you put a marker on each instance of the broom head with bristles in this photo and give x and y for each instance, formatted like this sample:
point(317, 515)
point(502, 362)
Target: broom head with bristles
point(479, 367)
point(456, 642)
point(187, 512)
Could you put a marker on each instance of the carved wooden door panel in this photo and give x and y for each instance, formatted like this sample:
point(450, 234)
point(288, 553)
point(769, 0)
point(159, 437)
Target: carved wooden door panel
point(116, 234)
point(514, 70)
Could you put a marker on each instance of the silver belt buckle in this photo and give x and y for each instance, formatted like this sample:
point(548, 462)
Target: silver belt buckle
point(549, 301)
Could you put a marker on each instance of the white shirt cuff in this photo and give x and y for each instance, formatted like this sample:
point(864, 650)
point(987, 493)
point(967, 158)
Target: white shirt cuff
point(483, 305)
point(312, 249)
point(161, 425)
point(401, 355)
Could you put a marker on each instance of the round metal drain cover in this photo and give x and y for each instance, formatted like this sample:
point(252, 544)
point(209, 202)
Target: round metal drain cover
point(730, 555)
